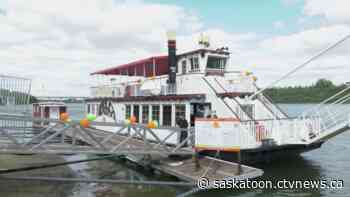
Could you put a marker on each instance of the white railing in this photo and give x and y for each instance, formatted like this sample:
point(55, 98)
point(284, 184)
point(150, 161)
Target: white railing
point(332, 115)
point(227, 134)
point(282, 131)
point(273, 108)
point(252, 134)
point(237, 83)
point(129, 90)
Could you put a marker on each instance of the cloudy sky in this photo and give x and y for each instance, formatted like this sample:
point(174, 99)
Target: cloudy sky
point(58, 43)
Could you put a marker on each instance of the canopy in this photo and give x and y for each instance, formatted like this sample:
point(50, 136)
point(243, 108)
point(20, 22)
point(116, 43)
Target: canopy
point(152, 66)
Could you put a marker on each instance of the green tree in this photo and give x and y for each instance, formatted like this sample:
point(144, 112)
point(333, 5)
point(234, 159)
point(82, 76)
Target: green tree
point(324, 83)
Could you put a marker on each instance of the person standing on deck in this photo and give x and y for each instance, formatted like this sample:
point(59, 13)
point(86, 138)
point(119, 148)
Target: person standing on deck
point(183, 124)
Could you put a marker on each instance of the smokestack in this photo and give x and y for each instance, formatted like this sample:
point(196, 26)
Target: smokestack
point(172, 57)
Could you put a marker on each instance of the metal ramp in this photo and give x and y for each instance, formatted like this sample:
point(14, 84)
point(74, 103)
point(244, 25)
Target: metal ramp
point(71, 138)
point(329, 118)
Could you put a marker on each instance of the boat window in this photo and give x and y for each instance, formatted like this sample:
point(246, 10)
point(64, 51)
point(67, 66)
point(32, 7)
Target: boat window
point(155, 113)
point(194, 63)
point(145, 109)
point(167, 115)
point(127, 111)
point(93, 111)
point(136, 112)
point(180, 111)
point(216, 62)
point(184, 66)
point(97, 108)
point(88, 108)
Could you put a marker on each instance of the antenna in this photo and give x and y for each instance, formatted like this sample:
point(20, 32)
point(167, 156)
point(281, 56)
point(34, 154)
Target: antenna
point(204, 40)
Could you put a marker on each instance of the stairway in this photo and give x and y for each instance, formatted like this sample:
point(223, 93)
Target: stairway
point(231, 103)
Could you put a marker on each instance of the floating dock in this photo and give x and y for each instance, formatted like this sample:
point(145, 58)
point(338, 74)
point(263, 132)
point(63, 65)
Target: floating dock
point(184, 169)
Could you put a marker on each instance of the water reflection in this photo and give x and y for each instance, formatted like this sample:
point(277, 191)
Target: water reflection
point(118, 170)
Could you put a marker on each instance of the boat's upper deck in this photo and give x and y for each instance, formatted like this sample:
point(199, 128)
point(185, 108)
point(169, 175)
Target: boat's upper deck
point(148, 77)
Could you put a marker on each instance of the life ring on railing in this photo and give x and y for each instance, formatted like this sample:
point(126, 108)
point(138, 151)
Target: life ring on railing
point(260, 132)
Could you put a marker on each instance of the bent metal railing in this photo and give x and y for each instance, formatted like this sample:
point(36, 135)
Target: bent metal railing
point(71, 138)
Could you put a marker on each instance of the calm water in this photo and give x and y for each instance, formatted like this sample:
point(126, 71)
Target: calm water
point(329, 162)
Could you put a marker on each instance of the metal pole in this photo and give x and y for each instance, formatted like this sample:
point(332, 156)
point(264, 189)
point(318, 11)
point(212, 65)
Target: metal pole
point(196, 160)
point(239, 171)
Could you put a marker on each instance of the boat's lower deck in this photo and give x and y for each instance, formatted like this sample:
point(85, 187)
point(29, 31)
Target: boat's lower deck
point(265, 154)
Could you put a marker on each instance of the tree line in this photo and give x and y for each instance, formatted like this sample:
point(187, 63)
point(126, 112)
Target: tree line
point(14, 97)
point(314, 93)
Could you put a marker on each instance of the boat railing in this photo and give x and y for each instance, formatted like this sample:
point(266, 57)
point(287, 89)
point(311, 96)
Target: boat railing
point(332, 113)
point(253, 134)
point(281, 131)
point(237, 83)
point(215, 71)
point(275, 110)
point(243, 115)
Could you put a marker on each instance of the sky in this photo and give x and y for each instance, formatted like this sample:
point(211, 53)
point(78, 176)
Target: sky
point(58, 43)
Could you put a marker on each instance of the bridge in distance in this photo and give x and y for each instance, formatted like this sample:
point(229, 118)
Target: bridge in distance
point(61, 98)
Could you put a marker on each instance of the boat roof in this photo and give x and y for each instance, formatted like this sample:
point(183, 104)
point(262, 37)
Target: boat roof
point(144, 67)
point(139, 68)
point(50, 104)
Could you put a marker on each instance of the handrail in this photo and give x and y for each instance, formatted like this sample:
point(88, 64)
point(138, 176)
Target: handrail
point(326, 100)
point(271, 103)
point(274, 105)
point(212, 88)
point(270, 119)
point(235, 100)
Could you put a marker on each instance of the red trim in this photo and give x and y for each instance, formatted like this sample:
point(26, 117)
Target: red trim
point(222, 149)
point(129, 69)
point(150, 98)
point(234, 94)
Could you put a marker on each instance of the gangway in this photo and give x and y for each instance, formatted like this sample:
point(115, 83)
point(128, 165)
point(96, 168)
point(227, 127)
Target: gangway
point(71, 138)
point(329, 118)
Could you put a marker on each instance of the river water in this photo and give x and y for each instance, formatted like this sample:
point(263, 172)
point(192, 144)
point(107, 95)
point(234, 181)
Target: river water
point(330, 162)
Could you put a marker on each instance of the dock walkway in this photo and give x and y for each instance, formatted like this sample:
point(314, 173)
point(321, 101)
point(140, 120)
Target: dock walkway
point(71, 138)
